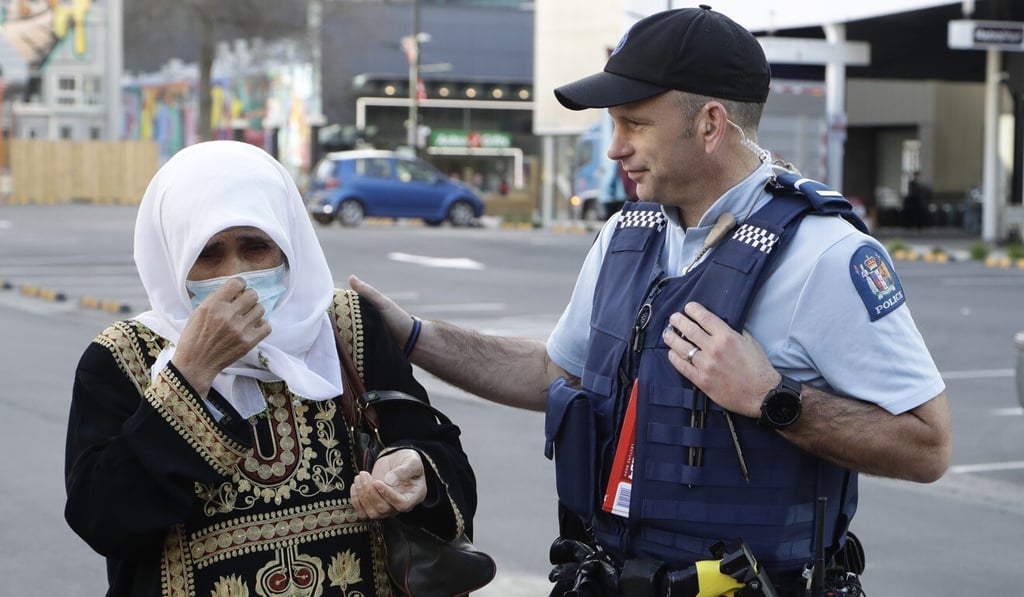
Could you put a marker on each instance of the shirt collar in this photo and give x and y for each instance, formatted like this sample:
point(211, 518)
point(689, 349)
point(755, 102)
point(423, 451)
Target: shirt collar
point(741, 200)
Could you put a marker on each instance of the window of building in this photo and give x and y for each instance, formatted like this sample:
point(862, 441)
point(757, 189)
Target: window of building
point(92, 91)
point(67, 91)
point(65, 132)
point(94, 133)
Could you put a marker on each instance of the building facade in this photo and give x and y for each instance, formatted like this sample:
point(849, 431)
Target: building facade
point(72, 57)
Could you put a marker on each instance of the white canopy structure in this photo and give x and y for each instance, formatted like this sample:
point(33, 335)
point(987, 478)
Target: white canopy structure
point(774, 15)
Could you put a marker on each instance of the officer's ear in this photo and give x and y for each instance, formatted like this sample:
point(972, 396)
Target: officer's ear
point(713, 125)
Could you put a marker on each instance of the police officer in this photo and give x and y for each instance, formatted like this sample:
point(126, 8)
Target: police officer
point(735, 333)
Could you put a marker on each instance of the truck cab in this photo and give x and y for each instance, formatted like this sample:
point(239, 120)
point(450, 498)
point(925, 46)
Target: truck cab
point(597, 188)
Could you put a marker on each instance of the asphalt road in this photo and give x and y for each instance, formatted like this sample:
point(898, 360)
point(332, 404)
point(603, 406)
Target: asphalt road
point(960, 536)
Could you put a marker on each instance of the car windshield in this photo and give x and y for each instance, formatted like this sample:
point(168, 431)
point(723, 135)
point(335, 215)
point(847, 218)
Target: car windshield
point(325, 169)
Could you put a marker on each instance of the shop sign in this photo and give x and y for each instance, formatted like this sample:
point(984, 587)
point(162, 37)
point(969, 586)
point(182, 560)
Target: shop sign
point(982, 35)
point(473, 139)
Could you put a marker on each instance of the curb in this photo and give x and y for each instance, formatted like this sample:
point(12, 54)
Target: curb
point(928, 256)
point(570, 228)
point(19, 200)
point(49, 294)
point(1004, 262)
point(939, 256)
point(43, 293)
point(89, 302)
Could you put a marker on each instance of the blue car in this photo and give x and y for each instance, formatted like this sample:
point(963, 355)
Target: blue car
point(349, 186)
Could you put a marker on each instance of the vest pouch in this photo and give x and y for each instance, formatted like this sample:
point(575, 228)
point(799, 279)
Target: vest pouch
point(570, 438)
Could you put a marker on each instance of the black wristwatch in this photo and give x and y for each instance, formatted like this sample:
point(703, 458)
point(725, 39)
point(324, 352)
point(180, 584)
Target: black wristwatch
point(781, 407)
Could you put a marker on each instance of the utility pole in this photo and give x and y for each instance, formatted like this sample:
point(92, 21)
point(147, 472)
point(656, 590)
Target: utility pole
point(114, 66)
point(414, 78)
point(314, 22)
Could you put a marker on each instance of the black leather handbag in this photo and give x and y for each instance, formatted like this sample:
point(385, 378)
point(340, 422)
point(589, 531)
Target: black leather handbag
point(419, 563)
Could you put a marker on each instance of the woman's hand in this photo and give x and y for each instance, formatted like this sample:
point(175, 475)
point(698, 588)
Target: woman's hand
point(396, 485)
point(226, 326)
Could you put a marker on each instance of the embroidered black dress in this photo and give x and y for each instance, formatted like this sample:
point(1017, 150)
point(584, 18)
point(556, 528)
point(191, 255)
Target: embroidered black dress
point(182, 504)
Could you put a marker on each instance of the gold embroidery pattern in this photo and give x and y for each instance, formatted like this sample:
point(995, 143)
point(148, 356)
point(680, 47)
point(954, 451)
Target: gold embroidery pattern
point(317, 466)
point(348, 318)
point(381, 580)
point(291, 574)
point(175, 571)
point(248, 486)
point(327, 477)
point(344, 570)
point(118, 339)
point(271, 465)
point(291, 526)
point(171, 397)
point(460, 523)
point(230, 586)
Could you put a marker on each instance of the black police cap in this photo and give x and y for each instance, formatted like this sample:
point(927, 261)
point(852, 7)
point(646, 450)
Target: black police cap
point(696, 50)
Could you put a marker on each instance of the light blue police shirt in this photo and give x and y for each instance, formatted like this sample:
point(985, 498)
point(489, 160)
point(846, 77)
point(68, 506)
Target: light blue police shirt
point(832, 312)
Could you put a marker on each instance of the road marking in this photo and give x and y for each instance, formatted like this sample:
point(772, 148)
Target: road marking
point(1008, 412)
point(978, 374)
point(461, 308)
point(446, 262)
point(983, 468)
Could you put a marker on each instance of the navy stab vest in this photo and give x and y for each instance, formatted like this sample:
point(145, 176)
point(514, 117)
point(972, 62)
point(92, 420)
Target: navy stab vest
point(679, 508)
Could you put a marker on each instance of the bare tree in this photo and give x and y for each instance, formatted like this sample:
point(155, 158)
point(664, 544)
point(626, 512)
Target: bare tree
point(190, 29)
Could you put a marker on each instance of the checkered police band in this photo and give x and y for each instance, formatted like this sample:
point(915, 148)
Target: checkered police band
point(642, 219)
point(757, 237)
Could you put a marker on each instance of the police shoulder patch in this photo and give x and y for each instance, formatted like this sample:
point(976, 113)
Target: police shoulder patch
point(876, 281)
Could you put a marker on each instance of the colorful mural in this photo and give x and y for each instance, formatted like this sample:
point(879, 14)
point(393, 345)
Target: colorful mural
point(268, 110)
point(35, 27)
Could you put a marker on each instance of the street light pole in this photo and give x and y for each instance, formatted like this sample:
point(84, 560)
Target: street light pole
point(314, 21)
point(414, 77)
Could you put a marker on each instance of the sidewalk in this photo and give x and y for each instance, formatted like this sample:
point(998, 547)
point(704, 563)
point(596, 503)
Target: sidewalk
point(930, 244)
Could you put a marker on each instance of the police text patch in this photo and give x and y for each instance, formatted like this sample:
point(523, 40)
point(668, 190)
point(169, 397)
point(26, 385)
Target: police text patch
point(876, 281)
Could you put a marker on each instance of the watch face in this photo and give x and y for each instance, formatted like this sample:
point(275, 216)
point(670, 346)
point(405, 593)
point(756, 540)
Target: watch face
point(784, 408)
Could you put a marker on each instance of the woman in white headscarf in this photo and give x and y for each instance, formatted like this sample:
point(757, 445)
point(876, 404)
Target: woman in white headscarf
point(207, 451)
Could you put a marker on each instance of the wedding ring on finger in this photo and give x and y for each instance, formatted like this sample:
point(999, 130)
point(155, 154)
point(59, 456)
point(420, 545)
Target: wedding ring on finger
point(691, 354)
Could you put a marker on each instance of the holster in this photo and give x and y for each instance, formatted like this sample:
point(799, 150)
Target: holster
point(642, 578)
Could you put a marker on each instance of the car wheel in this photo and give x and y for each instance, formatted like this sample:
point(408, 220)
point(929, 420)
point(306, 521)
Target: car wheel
point(324, 219)
point(461, 213)
point(351, 213)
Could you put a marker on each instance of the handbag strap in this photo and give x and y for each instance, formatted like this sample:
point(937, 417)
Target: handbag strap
point(358, 404)
point(352, 389)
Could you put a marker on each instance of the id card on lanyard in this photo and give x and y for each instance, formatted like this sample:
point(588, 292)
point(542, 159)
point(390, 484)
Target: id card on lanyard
point(620, 482)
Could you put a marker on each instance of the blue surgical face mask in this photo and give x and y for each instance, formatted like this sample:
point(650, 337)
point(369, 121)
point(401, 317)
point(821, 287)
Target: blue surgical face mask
point(268, 283)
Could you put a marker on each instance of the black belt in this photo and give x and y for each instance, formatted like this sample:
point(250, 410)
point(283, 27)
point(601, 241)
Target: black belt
point(734, 567)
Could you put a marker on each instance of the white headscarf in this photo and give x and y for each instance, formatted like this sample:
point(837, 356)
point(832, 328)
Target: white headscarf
point(202, 190)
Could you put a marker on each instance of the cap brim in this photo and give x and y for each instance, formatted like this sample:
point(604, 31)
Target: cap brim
point(604, 90)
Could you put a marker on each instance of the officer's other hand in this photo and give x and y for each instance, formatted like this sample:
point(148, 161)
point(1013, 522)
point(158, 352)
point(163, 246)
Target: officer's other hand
point(731, 368)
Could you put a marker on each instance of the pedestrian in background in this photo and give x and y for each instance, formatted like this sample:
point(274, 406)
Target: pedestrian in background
point(915, 202)
point(207, 451)
point(737, 433)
